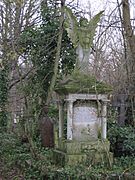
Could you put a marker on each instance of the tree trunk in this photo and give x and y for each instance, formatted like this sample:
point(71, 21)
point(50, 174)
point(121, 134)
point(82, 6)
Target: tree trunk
point(55, 71)
point(130, 39)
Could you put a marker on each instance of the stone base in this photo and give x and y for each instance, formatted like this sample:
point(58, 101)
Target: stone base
point(68, 159)
point(91, 153)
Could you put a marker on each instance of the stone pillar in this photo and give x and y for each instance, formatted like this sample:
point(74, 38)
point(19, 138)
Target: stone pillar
point(70, 119)
point(61, 119)
point(104, 121)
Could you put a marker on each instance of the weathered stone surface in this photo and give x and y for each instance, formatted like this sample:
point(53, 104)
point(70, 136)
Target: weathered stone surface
point(73, 148)
point(98, 145)
point(93, 152)
point(85, 122)
point(68, 159)
point(81, 83)
point(46, 128)
point(75, 159)
point(59, 157)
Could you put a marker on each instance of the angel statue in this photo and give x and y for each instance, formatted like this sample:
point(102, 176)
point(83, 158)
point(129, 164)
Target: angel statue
point(81, 34)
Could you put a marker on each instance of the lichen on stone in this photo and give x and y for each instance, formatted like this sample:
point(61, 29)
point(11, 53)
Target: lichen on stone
point(78, 82)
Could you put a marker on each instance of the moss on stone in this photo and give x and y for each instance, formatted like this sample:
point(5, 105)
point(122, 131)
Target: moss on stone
point(81, 83)
point(90, 152)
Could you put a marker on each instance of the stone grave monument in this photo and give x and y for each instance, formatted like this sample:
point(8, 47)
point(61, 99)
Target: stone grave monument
point(82, 105)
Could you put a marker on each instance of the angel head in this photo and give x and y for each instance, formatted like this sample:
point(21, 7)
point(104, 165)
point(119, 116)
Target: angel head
point(83, 22)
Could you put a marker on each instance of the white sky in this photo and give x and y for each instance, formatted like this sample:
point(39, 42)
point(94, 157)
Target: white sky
point(94, 5)
point(107, 5)
point(98, 4)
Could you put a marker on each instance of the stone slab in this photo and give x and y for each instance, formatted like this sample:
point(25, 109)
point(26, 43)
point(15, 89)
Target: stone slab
point(103, 97)
point(73, 147)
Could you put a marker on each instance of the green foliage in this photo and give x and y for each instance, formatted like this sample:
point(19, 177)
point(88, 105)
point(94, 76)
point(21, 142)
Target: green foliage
point(123, 137)
point(3, 96)
point(39, 49)
point(53, 111)
point(30, 159)
point(16, 155)
point(39, 46)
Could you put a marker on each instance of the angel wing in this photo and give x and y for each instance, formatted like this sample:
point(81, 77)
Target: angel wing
point(71, 26)
point(93, 23)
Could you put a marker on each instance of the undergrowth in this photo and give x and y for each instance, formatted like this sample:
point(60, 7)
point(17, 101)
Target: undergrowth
point(18, 162)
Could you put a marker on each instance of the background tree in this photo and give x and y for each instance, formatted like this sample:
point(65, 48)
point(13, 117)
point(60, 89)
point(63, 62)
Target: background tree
point(130, 54)
point(15, 17)
point(111, 59)
point(40, 48)
point(48, 54)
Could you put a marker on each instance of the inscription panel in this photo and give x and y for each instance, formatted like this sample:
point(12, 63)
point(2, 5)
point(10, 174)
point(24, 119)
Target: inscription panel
point(85, 123)
point(85, 114)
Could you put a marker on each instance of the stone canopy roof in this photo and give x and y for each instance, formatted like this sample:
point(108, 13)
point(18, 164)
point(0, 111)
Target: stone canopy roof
point(81, 83)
